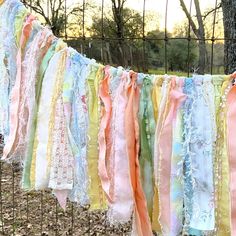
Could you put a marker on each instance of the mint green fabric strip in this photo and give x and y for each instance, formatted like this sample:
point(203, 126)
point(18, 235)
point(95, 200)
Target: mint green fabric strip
point(147, 132)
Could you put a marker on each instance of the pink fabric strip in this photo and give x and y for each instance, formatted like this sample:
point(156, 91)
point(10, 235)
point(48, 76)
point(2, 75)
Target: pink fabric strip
point(122, 207)
point(15, 95)
point(165, 146)
point(104, 133)
point(142, 225)
point(231, 145)
point(61, 196)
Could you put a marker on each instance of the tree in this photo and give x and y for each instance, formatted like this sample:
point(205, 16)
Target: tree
point(118, 14)
point(181, 53)
point(53, 12)
point(199, 32)
point(229, 19)
point(179, 59)
point(122, 50)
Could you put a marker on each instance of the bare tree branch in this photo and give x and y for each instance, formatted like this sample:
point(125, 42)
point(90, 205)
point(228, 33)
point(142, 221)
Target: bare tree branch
point(211, 11)
point(191, 22)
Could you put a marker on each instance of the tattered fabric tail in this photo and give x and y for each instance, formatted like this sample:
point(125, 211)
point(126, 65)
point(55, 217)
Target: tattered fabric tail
point(231, 145)
point(141, 219)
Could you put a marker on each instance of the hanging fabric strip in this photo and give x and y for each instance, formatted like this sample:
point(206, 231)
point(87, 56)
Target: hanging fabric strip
point(28, 179)
point(41, 159)
point(59, 149)
point(231, 146)
point(104, 135)
point(160, 119)
point(156, 99)
point(121, 207)
point(141, 221)
point(78, 125)
point(15, 96)
point(30, 68)
point(8, 53)
point(175, 98)
point(188, 106)
point(177, 178)
point(147, 134)
point(96, 194)
point(223, 227)
point(201, 146)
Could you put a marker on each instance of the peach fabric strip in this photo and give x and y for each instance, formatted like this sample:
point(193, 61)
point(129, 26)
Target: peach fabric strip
point(165, 146)
point(104, 135)
point(15, 96)
point(141, 223)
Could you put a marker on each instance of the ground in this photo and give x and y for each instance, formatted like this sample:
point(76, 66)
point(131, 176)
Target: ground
point(38, 213)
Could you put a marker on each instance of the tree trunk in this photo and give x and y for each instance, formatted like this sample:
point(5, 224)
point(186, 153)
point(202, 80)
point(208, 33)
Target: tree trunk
point(202, 57)
point(199, 32)
point(118, 9)
point(229, 19)
point(110, 62)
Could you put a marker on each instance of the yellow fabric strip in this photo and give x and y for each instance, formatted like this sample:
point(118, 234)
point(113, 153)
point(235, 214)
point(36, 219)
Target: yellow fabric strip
point(156, 98)
point(222, 166)
point(96, 194)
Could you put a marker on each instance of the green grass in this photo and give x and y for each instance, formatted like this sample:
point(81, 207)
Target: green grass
point(162, 72)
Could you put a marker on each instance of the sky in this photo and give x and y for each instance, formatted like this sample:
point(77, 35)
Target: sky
point(175, 13)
